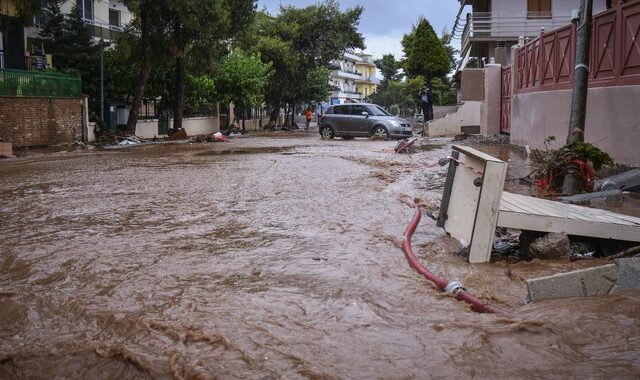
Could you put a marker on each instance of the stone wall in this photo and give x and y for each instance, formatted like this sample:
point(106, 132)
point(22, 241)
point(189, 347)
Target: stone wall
point(40, 121)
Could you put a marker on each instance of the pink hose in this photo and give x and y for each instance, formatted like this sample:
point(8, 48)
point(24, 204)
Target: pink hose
point(442, 284)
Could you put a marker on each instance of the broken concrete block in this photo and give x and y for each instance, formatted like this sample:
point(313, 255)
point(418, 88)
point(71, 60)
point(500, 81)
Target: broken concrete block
point(551, 246)
point(585, 282)
point(628, 273)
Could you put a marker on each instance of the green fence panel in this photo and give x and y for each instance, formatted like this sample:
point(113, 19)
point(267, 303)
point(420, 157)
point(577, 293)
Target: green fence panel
point(20, 83)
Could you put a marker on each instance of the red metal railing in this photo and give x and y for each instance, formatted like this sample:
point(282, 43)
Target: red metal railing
point(547, 63)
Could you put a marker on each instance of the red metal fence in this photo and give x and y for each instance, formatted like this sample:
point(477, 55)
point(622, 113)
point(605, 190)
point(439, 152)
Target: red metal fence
point(547, 63)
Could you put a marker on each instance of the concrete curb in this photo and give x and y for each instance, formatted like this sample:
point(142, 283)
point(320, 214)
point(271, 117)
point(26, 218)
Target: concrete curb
point(603, 280)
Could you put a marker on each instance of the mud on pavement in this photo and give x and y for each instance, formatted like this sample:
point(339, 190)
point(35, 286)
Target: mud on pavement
point(269, 258)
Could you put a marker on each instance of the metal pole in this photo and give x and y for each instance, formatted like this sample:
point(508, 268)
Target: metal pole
point(580, 90)
point(102, 82)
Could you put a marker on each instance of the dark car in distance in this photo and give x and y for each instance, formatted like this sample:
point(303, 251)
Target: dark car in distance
point(362, 120)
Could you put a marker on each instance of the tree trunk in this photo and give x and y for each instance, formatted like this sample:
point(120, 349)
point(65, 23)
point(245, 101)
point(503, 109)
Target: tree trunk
point(179, 100)
point(275, 114)
point(145, 66)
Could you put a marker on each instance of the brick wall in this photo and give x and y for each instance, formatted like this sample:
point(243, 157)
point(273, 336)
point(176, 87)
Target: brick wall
point(40, 121)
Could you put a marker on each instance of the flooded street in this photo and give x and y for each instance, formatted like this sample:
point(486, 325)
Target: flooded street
point(270, 258)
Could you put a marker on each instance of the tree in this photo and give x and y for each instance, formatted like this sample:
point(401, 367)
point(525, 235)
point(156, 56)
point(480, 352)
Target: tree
point(148, 19)
point(316, 87)
point(445, 40)
point(241, 79)
point(71, 44)
point(424, 53)
point(26, 9)
point(191, 20)
point(389, 67)
point(291, 41)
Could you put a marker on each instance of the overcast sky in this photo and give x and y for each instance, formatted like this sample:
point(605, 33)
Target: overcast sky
point(383, 22)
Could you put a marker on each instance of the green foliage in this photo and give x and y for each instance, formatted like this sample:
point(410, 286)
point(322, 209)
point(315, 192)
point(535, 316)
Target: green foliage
point(200, 94)
point(69, 40)
point(316, 87)
point(442, 92)
point(424, 53)
point(591, 153)
point(445, 40)
point(242, 78)
point(298, 43)
point(389, 68)
point(27, 9)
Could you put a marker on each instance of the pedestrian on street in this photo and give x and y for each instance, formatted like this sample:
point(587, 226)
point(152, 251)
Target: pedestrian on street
point(426, 103)
point(308, 115)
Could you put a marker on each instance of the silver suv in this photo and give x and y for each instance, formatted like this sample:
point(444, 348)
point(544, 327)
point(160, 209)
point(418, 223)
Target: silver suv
point(362, 120)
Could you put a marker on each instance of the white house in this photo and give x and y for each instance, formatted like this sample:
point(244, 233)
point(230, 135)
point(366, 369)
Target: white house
point(353, 78)
point(488, 28)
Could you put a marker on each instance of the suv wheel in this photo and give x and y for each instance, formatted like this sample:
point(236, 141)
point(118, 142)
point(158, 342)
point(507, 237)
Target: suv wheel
point(326, 132)
point(380, 131)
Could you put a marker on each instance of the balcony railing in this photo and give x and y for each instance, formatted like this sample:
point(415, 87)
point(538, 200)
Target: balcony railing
point(502, 26)
point(20, 83)
point(347, 74)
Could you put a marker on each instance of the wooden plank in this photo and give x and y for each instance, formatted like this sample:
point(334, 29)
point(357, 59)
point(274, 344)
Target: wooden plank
point(487, 212)
point(545, 207)
point(467, 151)
point(572, 227)
point(524, 204)
point(446, 195)
point(461, 213)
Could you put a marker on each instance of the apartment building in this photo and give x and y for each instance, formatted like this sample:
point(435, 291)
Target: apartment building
point(19, 43)
point(353, 78)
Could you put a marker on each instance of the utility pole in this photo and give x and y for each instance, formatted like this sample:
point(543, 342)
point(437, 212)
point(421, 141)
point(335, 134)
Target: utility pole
point(580, 90)
point(101, 82)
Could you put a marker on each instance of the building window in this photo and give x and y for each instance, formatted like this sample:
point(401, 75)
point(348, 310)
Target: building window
point(539, 8)
point(114, 17)
point(86, 8)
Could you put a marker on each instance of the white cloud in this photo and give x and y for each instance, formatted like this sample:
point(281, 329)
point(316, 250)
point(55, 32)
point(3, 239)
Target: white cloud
point(378, 45)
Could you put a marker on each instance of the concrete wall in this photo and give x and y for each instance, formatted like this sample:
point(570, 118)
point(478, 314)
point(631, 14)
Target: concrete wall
point(40, 121)
point(612, 121)
point(471, 85)
point(490, 110)
point(148, 129)
point(201, 125)
point(468, 115)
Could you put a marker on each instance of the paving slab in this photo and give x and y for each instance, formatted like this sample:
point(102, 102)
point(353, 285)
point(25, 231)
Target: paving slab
point(628, 273)
point(585, 282)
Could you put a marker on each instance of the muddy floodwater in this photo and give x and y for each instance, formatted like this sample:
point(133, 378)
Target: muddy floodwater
point(270, 258)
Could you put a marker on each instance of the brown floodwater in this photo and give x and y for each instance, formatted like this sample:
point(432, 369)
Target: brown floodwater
point(270, 258)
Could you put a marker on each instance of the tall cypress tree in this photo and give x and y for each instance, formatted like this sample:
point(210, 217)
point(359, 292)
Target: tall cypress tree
point(424, 53)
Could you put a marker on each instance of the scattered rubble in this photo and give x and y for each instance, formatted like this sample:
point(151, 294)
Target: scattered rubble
point(178, 135)
point(550, 246)
point(483, 140)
